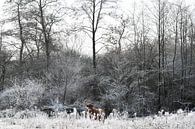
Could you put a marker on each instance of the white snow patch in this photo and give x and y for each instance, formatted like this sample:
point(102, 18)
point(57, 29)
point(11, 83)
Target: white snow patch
point(168, 121)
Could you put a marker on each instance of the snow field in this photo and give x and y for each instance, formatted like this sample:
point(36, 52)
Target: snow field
point(169, 121)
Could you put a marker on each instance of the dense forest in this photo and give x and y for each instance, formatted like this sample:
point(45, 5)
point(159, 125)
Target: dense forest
point(142, 59)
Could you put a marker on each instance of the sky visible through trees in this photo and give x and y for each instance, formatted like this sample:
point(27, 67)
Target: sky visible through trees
point(126, 6)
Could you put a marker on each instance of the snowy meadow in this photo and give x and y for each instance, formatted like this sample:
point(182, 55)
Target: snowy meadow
point(179, 120)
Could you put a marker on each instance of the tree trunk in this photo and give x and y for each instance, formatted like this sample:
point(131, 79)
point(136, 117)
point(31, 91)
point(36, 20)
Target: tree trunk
point(46, 37)
point(174, 57)
point(2, 78)
point(191, 53)
point(93, 36)
point(37, 41)
point(22, 43)
point(159, 56)
point(181, 55)
point(65, 90)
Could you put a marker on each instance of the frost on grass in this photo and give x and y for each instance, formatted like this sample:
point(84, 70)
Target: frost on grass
point(169, 121)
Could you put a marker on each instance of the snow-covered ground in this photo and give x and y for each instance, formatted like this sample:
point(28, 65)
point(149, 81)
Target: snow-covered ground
point(169, 121)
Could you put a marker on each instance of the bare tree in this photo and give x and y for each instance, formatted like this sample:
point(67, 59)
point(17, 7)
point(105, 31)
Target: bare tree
point(176, 22)
point(192, 33)
point(159, 54)
point(17, 15)
point(1, 35)
point(47, 21)
point(95, 11)
point(118, 33)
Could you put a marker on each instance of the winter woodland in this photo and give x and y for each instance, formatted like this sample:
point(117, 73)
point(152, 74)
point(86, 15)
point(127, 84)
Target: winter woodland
point(137, 64)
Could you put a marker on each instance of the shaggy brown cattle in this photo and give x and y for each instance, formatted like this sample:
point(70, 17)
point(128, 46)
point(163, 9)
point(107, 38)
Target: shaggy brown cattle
point(95, 113)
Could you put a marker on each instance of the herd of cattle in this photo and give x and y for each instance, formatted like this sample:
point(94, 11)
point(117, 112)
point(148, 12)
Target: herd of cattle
point(92, 112)
point(89, 111)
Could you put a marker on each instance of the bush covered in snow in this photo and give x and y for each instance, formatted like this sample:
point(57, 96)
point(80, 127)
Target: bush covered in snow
point(29, 114)
point(7, 113)
point(21, 96)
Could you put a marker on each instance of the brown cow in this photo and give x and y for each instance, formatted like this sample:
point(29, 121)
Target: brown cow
point(96, 113)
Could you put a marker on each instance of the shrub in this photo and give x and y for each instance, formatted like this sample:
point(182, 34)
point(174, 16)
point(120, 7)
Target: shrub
point(22, 96)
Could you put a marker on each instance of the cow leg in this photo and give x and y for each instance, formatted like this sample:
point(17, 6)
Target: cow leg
point(95, 116)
